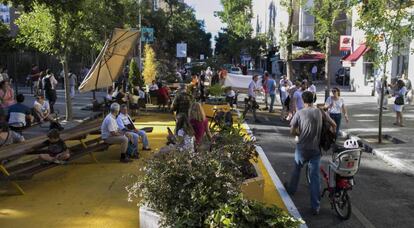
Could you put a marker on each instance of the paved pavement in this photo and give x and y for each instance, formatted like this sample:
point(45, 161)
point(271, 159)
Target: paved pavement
point(383, 195)
point(79, 102)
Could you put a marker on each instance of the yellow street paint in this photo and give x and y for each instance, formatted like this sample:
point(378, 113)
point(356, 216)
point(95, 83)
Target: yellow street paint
point(88, 194)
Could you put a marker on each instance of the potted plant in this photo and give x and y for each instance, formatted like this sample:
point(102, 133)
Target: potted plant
point(216, 95)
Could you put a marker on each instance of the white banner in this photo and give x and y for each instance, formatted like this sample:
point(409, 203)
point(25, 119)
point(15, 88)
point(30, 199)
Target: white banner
point(240, 81)
point(181, 50)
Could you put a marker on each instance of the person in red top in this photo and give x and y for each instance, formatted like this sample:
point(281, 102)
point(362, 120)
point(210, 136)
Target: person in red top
point(163, 96)
point(199, 122)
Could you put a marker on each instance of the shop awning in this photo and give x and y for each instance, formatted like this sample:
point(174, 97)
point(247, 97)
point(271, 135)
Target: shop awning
point(310, 57)
point(360, 51)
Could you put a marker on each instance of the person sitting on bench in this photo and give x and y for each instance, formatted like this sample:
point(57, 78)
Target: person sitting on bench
point(19, 115)
point(57, 151)
point(111, 134)
point(8, 136)
point(42, 109)
point(126, 124)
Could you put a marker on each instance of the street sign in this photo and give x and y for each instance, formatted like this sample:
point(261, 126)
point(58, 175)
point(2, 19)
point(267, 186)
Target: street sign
point(147, 35)
point(181, 50)
point(345, 43)
point(201, 57)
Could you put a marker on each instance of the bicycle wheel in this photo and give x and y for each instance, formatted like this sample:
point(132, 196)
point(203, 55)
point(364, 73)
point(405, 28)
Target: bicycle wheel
point(342, 205)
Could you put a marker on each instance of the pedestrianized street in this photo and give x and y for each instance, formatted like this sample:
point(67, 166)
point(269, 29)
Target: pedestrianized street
point(206, 113)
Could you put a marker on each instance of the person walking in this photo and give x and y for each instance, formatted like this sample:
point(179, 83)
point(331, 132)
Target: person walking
point(271, 88)
point(307, 125)
point(312, 88)
point(49, 83)
point(400, 92)
point(409, 87)
point(297, 96)
point(72, 83)
point(336, 107)
point(314, 72)
point(250, 102)
point(266, 91)
point(35, 77)
point(378, 84)
point(182, 101)
point(199, 122)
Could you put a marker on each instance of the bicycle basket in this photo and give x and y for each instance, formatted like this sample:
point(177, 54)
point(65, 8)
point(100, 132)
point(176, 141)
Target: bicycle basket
point(346, 163)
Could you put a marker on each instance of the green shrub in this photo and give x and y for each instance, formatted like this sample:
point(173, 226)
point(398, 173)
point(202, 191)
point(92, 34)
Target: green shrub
point(185, 187)
point(242, 213)
point(216, 90)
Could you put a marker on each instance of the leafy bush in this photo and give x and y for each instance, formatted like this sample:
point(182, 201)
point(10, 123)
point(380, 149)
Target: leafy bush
point(216, 90)
point(135, 77)
point(185, 187)
point(239, 212)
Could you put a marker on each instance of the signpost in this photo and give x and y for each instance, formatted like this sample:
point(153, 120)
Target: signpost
point(181, 50)
point(147, 35)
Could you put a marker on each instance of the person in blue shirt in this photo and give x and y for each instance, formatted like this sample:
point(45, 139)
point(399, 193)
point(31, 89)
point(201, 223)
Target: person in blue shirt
point(271, 88)
point(20, 116)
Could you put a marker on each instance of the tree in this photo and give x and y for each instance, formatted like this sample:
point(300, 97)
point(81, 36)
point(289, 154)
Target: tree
point(150, 65)
point(288, 37)
point(51, 28)
point(387, 25)
point(326, 13)
point(135, 77)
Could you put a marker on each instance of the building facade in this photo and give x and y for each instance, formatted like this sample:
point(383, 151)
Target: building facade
point(362, 70)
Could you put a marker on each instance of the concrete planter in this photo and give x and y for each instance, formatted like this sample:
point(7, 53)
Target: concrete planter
point(148, 218)
point(253, 188)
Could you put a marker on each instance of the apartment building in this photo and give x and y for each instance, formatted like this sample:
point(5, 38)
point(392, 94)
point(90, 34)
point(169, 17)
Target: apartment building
point(362, 71)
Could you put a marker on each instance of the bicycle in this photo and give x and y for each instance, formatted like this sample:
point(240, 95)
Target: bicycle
point(340, 179)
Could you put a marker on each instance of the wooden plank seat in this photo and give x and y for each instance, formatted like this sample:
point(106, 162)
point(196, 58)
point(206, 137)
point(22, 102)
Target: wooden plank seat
point(15, 151)
point(27, 170)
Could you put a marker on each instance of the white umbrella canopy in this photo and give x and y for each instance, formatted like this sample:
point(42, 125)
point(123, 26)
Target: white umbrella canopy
point(110, 62)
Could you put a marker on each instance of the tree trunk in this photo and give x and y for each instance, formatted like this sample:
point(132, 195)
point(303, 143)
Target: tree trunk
point(68, 99)
point(327, 71)
point(289, 43)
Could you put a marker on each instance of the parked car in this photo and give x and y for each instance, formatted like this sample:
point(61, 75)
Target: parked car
point(342, 76)
point(236, 70)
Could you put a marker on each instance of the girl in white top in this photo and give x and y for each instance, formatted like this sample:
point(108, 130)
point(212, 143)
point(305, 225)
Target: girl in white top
point(400, 91)
point(336, 106)
point(184, 134)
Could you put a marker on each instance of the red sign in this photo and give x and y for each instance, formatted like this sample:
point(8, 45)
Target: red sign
point(345, 43)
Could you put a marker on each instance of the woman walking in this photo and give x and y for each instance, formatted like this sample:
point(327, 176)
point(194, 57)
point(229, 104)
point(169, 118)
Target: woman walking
point(336, 107)
point(199, 122)
point(400, 92)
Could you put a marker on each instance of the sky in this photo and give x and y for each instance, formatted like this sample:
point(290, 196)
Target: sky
point(205, 9)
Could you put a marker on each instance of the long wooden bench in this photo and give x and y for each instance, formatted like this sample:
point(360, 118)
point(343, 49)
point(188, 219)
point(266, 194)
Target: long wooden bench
point(25, 170)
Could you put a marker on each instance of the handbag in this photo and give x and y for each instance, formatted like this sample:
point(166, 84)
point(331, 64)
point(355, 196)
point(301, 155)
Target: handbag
point(399, 100)
point(327, 136)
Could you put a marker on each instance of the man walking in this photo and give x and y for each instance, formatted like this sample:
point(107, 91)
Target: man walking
point(49, 83)
point(266, 89)
point(314, 72)
point(72, 83)
point(271, 87)
point(182, 101)
point(307, 125)
point(250, 102)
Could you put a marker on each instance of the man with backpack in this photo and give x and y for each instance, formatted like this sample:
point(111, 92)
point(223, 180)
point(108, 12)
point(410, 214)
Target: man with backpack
point(307, 125)
point(49, 83)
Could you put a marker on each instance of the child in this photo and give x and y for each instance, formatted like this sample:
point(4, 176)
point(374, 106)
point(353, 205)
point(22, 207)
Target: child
point(230, 96)
point(57, 151)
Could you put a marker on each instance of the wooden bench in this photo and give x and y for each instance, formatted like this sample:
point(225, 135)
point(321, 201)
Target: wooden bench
point(28, 169)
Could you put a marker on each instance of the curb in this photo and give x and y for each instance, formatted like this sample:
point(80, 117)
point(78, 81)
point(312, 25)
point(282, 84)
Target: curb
point(405, 168)
point(276, 180)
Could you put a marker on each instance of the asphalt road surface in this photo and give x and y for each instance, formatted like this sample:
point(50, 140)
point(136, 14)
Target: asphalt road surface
point(382, 196)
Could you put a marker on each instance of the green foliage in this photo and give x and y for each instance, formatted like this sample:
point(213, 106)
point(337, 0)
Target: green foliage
point(242, 213)
point(237, 14)
point(5, 40)
point(134, 76)
point(150, 65)
point(184, 187)
point(216, 90)
point(386, 21)
point(326, 13)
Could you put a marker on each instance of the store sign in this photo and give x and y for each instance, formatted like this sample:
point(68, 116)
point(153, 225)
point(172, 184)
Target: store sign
point(345, 43)
point(181, 50)
point(147, 35)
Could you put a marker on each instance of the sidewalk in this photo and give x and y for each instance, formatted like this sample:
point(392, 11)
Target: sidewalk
point(363, 124)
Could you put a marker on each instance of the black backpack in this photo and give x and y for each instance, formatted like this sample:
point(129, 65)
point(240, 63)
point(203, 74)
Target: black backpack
point(47, 84)
point(327, 136)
